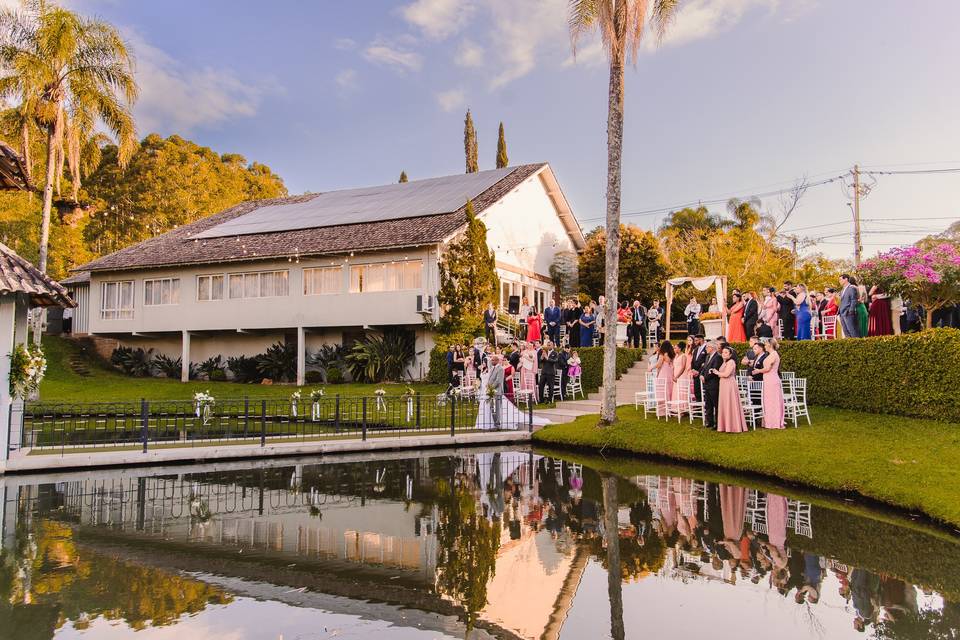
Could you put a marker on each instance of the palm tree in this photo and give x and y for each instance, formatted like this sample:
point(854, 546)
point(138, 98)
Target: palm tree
point(620, 24)
point(69, 73)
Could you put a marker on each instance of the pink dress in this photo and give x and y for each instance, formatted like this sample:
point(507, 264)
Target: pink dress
point(769, 315)
point(733, 507)
point(777, 520)
point(681, 375)
point(772, 400)
point(729, 410)
point(528, 373)
point(665, 372)
point(533, 328)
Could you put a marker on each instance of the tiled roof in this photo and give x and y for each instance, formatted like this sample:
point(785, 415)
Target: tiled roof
point(80, 277)
point(12, 173)
point(179, 247)
point(19, 276)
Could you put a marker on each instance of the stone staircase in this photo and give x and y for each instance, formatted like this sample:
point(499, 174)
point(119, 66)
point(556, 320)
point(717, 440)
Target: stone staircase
point(630, 382)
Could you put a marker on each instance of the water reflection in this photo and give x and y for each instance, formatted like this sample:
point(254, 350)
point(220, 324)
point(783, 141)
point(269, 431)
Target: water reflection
point(502, 544)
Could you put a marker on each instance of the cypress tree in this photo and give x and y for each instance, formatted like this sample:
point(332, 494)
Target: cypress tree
point(403, 176)
point(468, 276)
point(470, 144)
point(502, 160)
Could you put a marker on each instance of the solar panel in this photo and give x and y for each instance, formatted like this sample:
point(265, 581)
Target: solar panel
point(370, 204)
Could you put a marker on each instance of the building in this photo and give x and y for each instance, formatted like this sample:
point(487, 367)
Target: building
point(323, 268)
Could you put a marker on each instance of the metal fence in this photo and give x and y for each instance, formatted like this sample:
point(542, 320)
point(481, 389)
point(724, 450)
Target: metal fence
point(144, 424)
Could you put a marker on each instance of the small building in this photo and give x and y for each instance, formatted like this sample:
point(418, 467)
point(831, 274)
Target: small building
point(322, 268)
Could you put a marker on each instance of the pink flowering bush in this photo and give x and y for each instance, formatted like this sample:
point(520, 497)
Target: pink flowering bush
point(929, 276)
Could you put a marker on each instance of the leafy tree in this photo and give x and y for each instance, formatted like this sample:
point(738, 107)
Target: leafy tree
point(689, 220)
point(468, 276)
point(620, 24)
point(502, 159)
point(470, 143)
point(403, 177)
point(70, 74)
point(643, 270)
point(746, 215)
point(168, 182)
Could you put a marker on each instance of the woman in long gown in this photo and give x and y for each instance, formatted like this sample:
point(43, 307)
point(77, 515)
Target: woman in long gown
point(832, 309)
point(664, 369)
point(528, 370)
point(768, 311)
point(729, 410)
point(863, 317)
point(802, 302)
point(735, 329)
point(880, 320)
point(681, 377)
point(588, 323)
point(534, 326)
point(511, 417)
point(507, 378)
point(772, 401)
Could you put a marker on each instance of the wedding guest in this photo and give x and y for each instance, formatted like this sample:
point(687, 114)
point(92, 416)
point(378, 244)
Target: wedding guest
point(528, 370)
point(664, 369)
point(714, 307)
point(534, 325)
point(879, 315)
point(751, 313)
point(692, 313)
point(490, 324)
point(896, 314)
point(831, 308)
point(573, 363)
point(773, 406)
point(768, 313)
point(600, 311)
point(682, 381)
point(750, 356)
point(552, 317)
point(451, 355)
point(759, 356)
point(459, 361)
point(563, 366)
point(508, 371)
point(786, 311)
point(735, 329)
point(699, 358)
point(572, 321)
point(863, 316)
point(522, 315)
point(548, 371)
point(623, 312)
point(729, 410)
point(847, 312)
point(710, 383)
point(654, 321)
point(801, 302)
point(588, 323)
point(638, 325)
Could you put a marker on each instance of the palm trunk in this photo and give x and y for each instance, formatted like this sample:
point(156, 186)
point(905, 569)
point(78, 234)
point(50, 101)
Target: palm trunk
point(611, 505)
point(608, 408)
point(48, 196)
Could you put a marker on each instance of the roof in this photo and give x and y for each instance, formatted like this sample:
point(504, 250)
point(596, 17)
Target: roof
point(81, 277)
point(13, 175)
point(192, 244)
point(19, 276)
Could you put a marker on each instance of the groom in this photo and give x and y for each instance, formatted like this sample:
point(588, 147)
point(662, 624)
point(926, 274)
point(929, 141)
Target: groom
point(495, 380)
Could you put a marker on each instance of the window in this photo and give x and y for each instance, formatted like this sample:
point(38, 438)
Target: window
point(116, 300)
point(322, 281)
point(385, 276)
point(258, 284)
point(162, 291)
point(209, 288)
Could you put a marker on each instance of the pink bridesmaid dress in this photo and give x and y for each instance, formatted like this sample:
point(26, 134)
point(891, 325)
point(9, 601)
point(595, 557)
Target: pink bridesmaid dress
point(528, 373)
point(733, 508)
point(729, 410)
point(770, 315)
point(665, 372)
point(772, 400)
point(681, 374)
point(777, 520)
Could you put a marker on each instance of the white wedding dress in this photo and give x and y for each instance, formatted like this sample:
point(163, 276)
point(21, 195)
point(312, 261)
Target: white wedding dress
point(511, 416)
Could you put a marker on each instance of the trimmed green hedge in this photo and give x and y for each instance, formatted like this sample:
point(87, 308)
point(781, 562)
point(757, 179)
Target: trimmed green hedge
point(915, 374)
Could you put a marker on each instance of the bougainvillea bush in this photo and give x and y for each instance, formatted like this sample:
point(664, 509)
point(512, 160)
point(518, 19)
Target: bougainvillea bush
point(927, 276)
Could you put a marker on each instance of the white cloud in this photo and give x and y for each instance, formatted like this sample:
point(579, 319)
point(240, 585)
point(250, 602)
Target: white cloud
point(382, 52)
point(452, 99)
point(588, 54)
point(469, 54)
point(523, 32)
point(174, 98)
point(347, 80)
point(345, 44)
point(699, 19)
point(438, 19)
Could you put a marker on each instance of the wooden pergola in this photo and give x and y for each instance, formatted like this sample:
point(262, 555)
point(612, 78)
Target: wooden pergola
point(701, 283)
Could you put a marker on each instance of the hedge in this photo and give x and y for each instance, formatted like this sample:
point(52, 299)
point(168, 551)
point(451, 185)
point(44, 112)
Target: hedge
point(914, 374)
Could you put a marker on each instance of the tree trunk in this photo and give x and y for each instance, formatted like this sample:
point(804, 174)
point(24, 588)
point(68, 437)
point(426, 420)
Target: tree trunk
point(611, 506)
point(45, 221)
point(608, 408)
point(929, 311)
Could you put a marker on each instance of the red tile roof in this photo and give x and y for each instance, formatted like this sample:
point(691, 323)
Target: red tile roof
point(177, 247)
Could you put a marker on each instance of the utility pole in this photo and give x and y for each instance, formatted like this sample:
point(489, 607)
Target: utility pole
point(857, 244)
point(793, 241)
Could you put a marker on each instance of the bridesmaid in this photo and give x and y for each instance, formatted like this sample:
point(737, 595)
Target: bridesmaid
point(773, 409)
point(664, 369)
point(769, 311)
point(681, 375)
point(735, 330)
point(729, 410)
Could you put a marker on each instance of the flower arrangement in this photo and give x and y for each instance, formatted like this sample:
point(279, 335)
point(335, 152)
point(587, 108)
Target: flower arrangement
point(317, 395)
point(710, 315)
point(295, 402)
point(410, 393)
point(203, 404)
point(491, 391)
point(27, 368)
point(380, 395)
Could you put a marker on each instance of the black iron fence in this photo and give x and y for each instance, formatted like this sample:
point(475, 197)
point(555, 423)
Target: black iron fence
point(144, 424)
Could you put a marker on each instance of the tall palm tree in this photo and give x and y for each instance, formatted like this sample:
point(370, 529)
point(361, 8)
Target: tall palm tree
point(71, 74)
point(621, 25)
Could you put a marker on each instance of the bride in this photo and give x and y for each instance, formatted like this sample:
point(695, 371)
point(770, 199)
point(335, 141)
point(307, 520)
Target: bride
point(492, 398)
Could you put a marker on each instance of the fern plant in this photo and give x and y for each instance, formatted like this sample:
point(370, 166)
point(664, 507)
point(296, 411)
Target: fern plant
point(278, 362)
point(213, 368)
point(244, 368)
point(327, 358)
point(379, 358)
point(170, 367)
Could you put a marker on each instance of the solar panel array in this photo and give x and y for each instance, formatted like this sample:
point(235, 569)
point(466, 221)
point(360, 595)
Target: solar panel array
point(369, 204)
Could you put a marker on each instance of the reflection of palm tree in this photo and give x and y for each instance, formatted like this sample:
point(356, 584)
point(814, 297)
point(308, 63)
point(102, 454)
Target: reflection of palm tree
point(611, 533)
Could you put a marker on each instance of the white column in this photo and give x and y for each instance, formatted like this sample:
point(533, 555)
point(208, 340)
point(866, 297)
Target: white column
point(21, 323)
point(7, 315)
point(301, 356)
point(185, 357)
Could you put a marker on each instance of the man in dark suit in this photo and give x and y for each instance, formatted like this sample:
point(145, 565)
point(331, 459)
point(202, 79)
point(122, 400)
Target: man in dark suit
point(710, 382)
point(699, 357)
point(490, 324)
point(848, 307)
point(751, 313)
point(787, 308)
point(638, 325)
point(548, 370)
point(552, 318)
point(563, 362)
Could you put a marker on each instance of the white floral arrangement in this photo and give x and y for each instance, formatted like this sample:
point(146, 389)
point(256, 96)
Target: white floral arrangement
point(294, 402)
point(28, 365)
point(317, 394)
point(381, 394)
point(203, 403)
point(315, 397)
point(491, 391)
point(441, 399)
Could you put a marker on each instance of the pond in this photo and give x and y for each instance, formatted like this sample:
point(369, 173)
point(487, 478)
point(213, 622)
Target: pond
point(494, 543)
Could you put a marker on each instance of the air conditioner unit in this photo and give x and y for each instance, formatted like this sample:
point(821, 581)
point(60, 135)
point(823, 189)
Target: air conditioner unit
point(424, 304)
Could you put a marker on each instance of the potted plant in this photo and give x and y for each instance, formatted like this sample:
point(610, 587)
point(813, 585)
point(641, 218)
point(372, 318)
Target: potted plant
point(315, 397)
point(712, 324)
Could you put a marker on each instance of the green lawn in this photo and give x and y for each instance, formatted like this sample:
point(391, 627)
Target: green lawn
point(104, 384)
point(906, 462)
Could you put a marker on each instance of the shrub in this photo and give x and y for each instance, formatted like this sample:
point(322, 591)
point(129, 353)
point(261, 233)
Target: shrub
point(378, 358)
point(133, 362)
point(437, 371)
point(217, 375)
point(327, 358)
point(314, 377)
point(170, 367)
point(244, 369)
point(278, 362)
point(213, 368)
point(915, 374)
point(335, 376)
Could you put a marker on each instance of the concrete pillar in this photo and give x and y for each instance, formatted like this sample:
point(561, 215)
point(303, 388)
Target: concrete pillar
point(7, 315)
point(185, 357)
point(301, 356)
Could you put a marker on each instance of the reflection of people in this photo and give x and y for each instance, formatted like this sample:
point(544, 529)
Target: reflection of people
point(865, 592)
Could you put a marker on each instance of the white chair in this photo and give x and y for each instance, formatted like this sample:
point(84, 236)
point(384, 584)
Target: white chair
point(796, 405)
point(780, 328)
point(524, 396)
point(752, 413)
point(694, 406)
point(574, 386)
point(788, 375)
point(680, 406)
point(652, 342)
point(558, 386)
point(659, 404)
point(827, 329)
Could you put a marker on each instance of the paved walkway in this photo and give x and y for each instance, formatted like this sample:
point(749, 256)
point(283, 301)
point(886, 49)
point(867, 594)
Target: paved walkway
point(628, 384)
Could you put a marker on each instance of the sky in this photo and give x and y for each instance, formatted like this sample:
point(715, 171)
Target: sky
point(742, 97)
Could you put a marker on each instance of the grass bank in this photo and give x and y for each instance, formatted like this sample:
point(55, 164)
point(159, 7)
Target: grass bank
point(905, 462)
point(63, 384)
